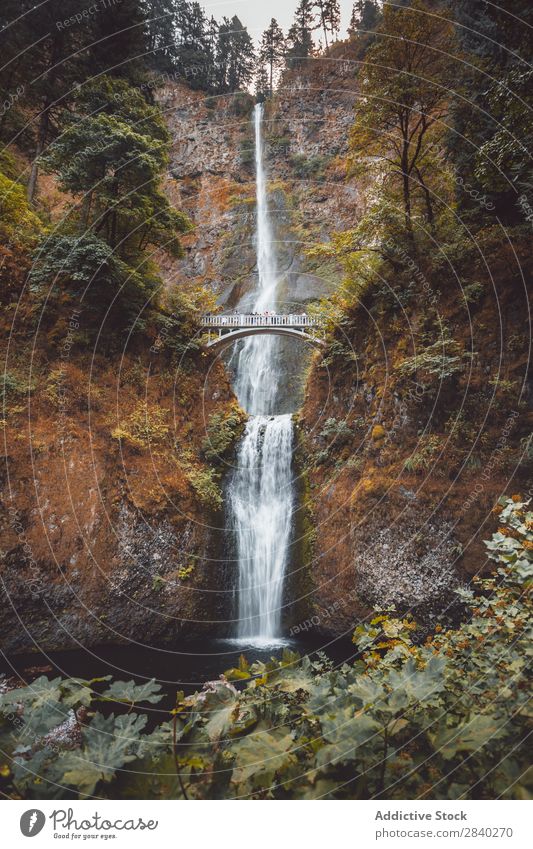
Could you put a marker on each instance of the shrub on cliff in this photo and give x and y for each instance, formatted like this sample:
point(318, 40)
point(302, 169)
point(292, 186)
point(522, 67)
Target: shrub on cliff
point(223, 430)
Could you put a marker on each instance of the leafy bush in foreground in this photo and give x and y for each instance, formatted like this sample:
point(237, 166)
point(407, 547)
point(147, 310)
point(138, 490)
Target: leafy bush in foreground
point(447, 719)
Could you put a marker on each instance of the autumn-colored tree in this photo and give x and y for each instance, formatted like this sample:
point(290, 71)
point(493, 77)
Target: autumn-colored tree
point(404, 99)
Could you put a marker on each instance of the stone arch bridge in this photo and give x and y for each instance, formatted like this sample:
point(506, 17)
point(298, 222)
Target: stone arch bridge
point(223, 329)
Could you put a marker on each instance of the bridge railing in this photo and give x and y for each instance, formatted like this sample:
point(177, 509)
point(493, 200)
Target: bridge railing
point(261, 320)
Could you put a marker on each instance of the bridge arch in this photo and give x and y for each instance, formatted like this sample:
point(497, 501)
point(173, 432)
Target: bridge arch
point(243, 332)
point(225, 329)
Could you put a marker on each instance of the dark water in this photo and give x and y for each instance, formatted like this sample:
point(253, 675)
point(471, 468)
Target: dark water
point(185, 667)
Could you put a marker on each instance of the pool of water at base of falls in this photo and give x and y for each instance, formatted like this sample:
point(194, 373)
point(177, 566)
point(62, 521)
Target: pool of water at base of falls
point(185, 666)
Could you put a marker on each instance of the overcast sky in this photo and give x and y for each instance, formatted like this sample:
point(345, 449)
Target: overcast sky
point(256, 14)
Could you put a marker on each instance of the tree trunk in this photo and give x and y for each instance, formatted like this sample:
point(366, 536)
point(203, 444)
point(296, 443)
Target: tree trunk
point(42, 132)
point(407, 189)
point(407, 205)
point(86, 210)
point(44, 120)
point(325, 33)
point(427, 196)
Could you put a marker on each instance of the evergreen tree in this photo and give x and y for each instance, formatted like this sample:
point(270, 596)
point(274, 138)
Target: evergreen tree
point(195, 57)
point(262, 88)
point(300, 36)
point(111, 152)
point(110, 157)
point(493, 111)
point(235, 56)
point(47, 73)
point(272, 50)
point(70, 48)
point(161, 34)
point(18, 65)
point(212, 42)
point(365, 17)
point(329, 16)
point(119, 41)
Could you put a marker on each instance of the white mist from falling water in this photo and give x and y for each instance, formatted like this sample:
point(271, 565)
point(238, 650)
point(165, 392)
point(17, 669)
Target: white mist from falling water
point(260, 495)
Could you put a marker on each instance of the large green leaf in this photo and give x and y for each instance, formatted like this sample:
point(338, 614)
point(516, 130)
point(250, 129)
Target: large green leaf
point(260, 756)
point(419, 685)
point(344, 733)
point(467, 737)
point(132, 693)
point(109, 744)
point(42, 691)
point(75, 691)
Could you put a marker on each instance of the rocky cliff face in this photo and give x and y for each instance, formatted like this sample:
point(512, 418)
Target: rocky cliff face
point(405, 466)
point(109, 527)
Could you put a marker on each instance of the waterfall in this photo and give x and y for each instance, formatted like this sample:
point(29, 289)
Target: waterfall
point(256, 377)
point(260, 496)
point(261, 501)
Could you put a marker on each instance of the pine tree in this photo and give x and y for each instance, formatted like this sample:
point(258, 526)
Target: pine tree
point(365, 17)
point(212, 41)
point(194, 54)
point(300, 36)
point(261, 82)
point(56, 66)
point(333, 18)
point(235, 56)
point(329, 15)
point(110, 158)
point(119, 40)
point(272, 50)
point(161, 34)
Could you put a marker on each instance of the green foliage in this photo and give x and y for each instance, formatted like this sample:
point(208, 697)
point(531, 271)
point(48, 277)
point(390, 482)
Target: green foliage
point(13, 386)
point(442, 360)
point(398, 121)
point(309, 168)
point(18, 222)
point(423, 457)
point(223, 429)
point(131, 693)
point(503, 163)
point(86, 266)
point(473, 292)
point(337, 430)
point(111, 155)
point(440, 720)
point(145, 427)
point(176, 322)
point(205, 483)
